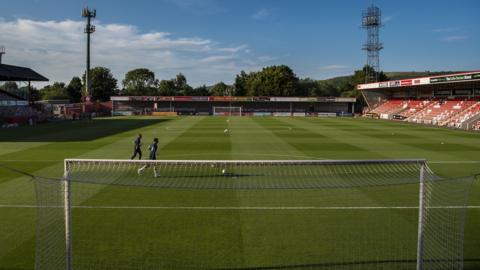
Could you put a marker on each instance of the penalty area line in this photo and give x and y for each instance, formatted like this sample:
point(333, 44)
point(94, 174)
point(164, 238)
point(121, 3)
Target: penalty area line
point(243, 207)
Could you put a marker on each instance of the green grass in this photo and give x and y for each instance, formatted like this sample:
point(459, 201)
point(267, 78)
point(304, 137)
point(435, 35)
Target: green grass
point(230, 238)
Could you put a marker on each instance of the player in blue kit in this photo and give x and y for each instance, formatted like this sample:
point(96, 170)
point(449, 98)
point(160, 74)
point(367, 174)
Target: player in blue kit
point(153, 156)
point(138, 147)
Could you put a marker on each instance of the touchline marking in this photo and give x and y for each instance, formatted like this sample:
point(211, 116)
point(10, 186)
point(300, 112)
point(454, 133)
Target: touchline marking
point(242, 207)
point(454, 162)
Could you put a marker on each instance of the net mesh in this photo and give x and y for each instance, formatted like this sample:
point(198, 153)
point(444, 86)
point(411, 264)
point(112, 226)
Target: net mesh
point(227, 111)
point(250, 215)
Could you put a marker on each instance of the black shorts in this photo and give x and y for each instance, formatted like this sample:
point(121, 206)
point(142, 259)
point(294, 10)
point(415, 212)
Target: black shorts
point(153, 157)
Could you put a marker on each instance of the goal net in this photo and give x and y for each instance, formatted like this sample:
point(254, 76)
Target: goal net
point(393, 214)
point(227, 111)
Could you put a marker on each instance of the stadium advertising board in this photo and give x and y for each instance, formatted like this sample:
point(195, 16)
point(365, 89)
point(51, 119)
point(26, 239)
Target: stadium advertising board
point(232, 99)
point(220, 98)
point(120, 98)
point(455, 78)
point(285, 99)
point(122, 113)
point(200, 98)
point(261, 98)
point(13, 103)
point(405, 82)
point(243, 99)
point(262, 114)
point(182, 98)
point(327, 114)
point(393, 83)
point(281, 114)
point(422, 81)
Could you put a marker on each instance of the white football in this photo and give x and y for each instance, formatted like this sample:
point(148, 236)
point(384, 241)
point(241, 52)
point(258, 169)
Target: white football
point(226, 130)
point(224, 171)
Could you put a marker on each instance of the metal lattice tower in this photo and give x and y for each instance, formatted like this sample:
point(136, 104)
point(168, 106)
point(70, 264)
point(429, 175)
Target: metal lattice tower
point(2, 52)
point(89, 29)
point(372, 21)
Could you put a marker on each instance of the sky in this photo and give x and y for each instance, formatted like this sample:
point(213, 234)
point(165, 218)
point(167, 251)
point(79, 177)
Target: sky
point(213, 40)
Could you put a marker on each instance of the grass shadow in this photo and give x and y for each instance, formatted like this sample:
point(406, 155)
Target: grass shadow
point(70, 131)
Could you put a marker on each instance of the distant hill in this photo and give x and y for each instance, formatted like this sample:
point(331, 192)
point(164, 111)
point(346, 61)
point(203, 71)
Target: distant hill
point(398, 75)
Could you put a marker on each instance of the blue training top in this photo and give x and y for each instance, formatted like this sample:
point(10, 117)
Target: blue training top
point(153, 150)
point(138, 143)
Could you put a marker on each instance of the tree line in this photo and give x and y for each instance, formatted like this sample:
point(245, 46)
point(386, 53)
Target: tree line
point(277, 80)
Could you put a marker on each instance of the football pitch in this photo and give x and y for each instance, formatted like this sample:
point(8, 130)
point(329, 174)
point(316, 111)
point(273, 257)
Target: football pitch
point(233, 229)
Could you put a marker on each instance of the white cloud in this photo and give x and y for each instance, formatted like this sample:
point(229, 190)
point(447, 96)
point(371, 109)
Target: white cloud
point(56, 49)
point(387, 19)
point(266, 58)
point(333, 67)
point(455, 38)
point(445, 30)
point(203, 7)
point(262, 14)
point(235, 49)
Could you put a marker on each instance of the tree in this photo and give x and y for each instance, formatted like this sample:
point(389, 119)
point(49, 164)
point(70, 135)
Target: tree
point(307, 87)
point(240, 84)
point(181, 85)
point(55, 91)
point(180, 81)
point(200, 91)
point(102, 84)
point(221, 89)
point(275, 81)
point(140, 82)
point(270, 81)
point(74, 90)
point(35, 94)
point(167, 88)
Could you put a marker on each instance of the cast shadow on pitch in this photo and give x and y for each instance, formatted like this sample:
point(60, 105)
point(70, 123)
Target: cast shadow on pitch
point(406, 263)
point(75, 131)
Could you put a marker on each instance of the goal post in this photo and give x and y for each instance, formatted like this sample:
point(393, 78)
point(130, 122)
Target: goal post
point(227, 111)
point(246, 214)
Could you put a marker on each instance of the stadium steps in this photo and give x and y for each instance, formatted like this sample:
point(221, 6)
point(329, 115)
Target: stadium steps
point(466, 114)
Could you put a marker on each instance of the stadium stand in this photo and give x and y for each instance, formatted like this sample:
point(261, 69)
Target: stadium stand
point(438, 111)
point(451, 100)
point(472, 110)
point(251, 106)
point(15, 111)
point(476, 125)
point(414, 106)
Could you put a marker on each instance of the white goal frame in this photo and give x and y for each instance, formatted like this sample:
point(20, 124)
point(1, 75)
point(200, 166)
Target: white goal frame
point(67, 187)
point(228, 110)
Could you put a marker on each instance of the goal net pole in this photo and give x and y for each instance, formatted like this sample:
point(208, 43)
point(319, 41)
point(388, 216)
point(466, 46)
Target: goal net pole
point(421, 217)
point(68, 217)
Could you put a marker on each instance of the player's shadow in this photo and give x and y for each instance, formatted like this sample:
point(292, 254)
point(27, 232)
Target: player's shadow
point(70, 131)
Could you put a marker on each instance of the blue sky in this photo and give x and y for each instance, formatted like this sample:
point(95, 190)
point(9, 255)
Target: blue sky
point(210, 40)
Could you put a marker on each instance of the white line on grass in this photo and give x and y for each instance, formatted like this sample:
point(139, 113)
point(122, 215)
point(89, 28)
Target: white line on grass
point(244, 207)
point(454, 162)
point(255, 154)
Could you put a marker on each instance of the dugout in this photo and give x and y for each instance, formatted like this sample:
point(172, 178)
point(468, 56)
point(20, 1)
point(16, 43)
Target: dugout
point(204, 105)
